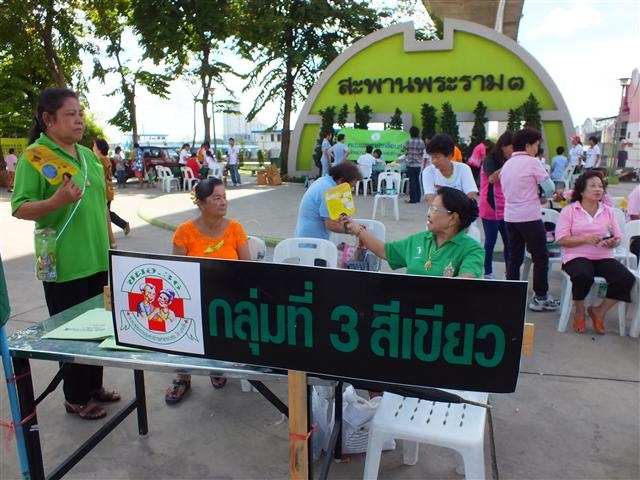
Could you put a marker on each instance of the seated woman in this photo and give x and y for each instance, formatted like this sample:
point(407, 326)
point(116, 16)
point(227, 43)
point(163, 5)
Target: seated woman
point(443, 250)
point(587, 232)
point(211, 234)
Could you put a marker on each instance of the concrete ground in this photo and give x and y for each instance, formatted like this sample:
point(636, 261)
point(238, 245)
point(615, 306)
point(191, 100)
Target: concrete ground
point(574, 415)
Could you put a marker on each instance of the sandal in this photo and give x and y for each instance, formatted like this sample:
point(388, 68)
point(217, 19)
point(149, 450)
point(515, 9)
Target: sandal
point(89, 411)
point(176, 391)
point(218, 382)
point(598, 326)
point(103, 395)
point(579, 325)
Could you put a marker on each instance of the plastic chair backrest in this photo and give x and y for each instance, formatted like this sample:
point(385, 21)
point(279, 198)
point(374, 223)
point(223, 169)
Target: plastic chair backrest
point(474, 232)
point(257, 248)
point(391, 181)
point(631, 229)
point(306, 251)
point(187, 172)
point(621, 218)
point(365, 170)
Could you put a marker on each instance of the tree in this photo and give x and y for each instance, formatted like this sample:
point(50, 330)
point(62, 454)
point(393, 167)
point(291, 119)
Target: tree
point(291, 42)
point(514, 121)
point(479, 132)
point(531, 113)
point(40, 46)
point(343, 114)
point(363, 117)
point(429, 120)
point(186, 36)
point(109, 19)
point(328, 119)
point(449, 122)
point(395, 122)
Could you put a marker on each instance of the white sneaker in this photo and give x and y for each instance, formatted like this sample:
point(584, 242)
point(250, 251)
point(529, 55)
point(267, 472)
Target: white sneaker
point(548, 303)
point(489, 276)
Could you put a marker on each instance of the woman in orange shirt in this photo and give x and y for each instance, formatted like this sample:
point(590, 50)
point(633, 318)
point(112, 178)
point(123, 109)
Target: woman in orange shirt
point(211, 234)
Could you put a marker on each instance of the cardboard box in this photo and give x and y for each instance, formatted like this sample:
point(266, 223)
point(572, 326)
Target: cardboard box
point(261, 177)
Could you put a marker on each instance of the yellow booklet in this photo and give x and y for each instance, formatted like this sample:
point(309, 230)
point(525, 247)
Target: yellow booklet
point(51, 166)
point(339, 201)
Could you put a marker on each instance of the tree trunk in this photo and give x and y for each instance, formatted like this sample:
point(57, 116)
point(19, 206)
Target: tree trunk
point(286, 118)
point(134, 118)
point(53, 60)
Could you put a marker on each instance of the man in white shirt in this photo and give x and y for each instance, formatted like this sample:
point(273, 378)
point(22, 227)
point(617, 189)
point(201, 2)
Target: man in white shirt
point(232, 162)
point(365, 163)
point(593, 153)
point(445, 173)
point(185, 154)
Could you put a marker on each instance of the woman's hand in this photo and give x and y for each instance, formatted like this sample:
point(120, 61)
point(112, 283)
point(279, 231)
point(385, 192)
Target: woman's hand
point(591, 239)
point(351, 227)
point(68, 193)
point(612, 242)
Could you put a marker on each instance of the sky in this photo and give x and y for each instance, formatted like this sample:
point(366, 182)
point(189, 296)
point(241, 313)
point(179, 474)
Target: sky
point(584, 45)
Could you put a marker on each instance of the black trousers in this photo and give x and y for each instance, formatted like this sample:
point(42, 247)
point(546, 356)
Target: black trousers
point(533, 236)
point(79, 380)
point(415, 191)
point(619, 279)
point(116, 219)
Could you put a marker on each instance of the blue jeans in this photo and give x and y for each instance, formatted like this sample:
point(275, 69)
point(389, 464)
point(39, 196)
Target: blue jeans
point(491, 229)
point(235, 176)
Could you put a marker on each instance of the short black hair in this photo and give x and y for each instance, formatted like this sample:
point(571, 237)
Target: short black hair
point(456, 201)
point(524, 137)
point(414, 132)
point(204, 188)
point(368, 148)
point(378, 151)
point(594, 139)
point(441, 143)
point(560, 150)
point(346, 171)
point(581, 183)
point(340, 137)
point(102, 145)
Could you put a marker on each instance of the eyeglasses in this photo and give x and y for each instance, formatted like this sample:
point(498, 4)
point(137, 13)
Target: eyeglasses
point(433, 209)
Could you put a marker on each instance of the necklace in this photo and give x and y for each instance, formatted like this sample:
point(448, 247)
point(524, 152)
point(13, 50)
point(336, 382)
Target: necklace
point(428, 263)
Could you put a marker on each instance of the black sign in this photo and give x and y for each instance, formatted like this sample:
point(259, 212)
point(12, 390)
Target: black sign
point(404, 329)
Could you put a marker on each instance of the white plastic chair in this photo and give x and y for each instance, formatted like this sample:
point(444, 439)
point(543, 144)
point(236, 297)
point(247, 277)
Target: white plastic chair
point(457, 426)
point(306, 251)
point(566, 303)
point(216, 171)
point(391, 181)
point(365, 170)
point(188, 178)
point(376, 227)
point(166, 178)
point(549, 215)
point(257, 248)
point(474, 232)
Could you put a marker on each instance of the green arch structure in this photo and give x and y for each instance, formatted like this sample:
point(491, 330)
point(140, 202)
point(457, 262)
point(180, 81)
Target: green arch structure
point(390, 68)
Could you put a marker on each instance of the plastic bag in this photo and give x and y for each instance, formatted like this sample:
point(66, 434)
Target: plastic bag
point(322, 417)
point(357, 413)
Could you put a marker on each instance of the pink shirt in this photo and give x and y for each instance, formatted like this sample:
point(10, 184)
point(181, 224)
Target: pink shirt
point(486, 211)
point(11, 161)
point(477, 155)
point(520, 177)
point(574, 220)
point(633, 202)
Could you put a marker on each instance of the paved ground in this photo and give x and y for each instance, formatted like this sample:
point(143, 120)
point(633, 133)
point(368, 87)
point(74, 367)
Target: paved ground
point(575, 413)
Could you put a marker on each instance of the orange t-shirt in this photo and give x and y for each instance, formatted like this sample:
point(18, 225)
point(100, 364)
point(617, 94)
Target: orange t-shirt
point(457, 154)
point(198, 245)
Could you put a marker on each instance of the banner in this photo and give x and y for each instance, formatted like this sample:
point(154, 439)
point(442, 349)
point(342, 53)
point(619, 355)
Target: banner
point(404, 329)
point(389, 141)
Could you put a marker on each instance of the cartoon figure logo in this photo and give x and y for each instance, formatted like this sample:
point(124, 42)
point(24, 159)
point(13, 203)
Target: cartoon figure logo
point(155, 310)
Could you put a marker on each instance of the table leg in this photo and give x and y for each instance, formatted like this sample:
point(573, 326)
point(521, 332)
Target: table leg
point(30, 428)
point(141, 402)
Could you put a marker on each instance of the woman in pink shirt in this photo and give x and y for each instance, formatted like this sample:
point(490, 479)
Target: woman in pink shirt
point(588, 232)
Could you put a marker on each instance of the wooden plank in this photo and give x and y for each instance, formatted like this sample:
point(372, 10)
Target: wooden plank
point(527, 339)
point(298, 427)
point(106, 295)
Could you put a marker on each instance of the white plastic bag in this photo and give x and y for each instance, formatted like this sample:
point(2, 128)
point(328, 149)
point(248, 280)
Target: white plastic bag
point(357, 413)
point(322, 417)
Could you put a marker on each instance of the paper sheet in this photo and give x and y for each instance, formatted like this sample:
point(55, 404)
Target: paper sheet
point(109, 343)
point(95, 324)
point(339, 201)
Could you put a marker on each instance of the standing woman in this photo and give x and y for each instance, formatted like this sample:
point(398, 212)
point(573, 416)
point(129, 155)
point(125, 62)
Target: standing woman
point(492, 201)
point(211, 234)
point(576, 151)
point(101, 149)
point(76, 208)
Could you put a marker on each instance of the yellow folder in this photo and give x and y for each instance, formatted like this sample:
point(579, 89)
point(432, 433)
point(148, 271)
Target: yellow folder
point(339, 201)
point(51, 166)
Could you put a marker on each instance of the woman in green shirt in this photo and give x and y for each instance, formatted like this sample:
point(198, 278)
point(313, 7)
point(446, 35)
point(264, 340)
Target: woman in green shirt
point(443, 250)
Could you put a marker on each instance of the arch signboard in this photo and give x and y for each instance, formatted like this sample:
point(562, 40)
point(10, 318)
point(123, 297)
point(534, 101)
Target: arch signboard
point(390, 69)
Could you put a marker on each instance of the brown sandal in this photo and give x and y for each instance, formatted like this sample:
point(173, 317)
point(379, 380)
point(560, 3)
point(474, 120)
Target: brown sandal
point(88, 411)
point(218, 382)
point(176, 391)
point(103, 395)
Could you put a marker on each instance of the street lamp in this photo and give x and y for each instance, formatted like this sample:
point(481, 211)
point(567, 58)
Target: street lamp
point(210, 90)
point(624, 83)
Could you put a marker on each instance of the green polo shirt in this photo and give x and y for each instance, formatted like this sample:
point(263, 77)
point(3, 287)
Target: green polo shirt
point(460, 254)
point(82, 249)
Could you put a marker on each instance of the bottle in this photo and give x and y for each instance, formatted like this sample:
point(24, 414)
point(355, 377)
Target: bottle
point(45, 248)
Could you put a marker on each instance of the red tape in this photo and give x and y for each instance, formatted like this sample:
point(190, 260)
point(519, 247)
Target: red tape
point(15, 378)
point(302, 437)
point(11, 427)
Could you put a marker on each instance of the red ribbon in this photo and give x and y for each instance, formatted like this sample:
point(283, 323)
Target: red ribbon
point(302, 437)
point(11, 427)
point(15, 378)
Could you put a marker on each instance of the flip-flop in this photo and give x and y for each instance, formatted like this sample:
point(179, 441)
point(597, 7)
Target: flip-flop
point(105, 396)
point(218, 382)
point(579, 325)
point(598, 326)
point(88, 411)
point(176, 391)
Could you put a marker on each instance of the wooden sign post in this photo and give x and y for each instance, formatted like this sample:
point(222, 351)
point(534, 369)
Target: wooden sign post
point(298, 426)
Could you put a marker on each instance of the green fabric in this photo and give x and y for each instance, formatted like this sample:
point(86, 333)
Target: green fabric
point(460, 254)
point(5, 309)
point(82, 249)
